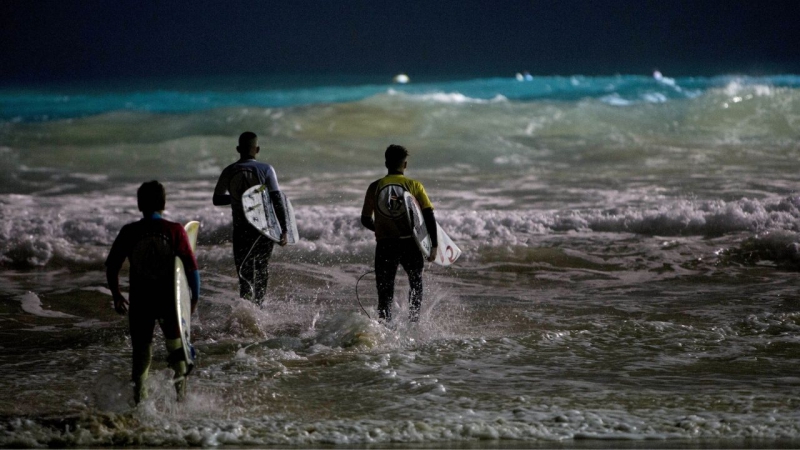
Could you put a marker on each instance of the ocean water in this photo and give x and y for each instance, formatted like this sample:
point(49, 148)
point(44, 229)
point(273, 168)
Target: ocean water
point(629, 275)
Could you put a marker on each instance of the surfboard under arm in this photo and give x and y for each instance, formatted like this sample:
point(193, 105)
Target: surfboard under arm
point(447, 251)
point(183, 297)
point(260, 213)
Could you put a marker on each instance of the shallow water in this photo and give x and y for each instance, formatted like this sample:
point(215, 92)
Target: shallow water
point(628, 276)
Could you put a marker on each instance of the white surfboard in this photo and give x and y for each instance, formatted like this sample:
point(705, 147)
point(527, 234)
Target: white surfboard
point(183, 299)
point(260, 213)
point(447, 252)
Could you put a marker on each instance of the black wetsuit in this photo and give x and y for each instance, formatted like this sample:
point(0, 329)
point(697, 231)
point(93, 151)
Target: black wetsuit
point(384, 214)
point(151, 246)
point(251, 250)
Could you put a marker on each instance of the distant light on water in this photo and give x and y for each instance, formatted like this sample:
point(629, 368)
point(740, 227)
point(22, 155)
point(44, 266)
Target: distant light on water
point(401, 78)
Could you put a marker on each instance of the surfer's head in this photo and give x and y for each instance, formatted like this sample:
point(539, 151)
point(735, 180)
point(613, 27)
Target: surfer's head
point(396, 158)
point(248, 144)
point(151, 197)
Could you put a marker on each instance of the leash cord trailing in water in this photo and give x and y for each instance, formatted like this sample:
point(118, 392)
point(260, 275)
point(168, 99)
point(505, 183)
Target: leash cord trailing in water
point(357, 298)
point(239, 271)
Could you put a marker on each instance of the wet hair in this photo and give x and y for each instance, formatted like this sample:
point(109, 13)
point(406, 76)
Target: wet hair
point(395, 155)
point(151, 196)
point(247, 140)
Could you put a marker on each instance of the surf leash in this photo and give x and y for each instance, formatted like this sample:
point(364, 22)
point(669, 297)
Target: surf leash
point(357, 298)
point(239, 270)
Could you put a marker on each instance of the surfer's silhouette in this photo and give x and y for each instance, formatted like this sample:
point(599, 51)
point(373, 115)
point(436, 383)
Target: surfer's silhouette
point(151, 245)
point(383, 213)
point(251, 253)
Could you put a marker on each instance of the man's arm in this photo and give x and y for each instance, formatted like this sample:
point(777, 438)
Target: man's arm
point(113, 265)
point(368, 222)
point(194, 284)
point(120, 302)
point(221, 200)
point(429, 218)
point(184, 251)
point(280, 211)
point(368, 209)
point(430, 226)
point(270, 180)
point(221, 196)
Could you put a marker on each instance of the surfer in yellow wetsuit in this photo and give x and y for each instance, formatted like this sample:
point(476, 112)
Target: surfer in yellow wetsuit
point(251, 250)
point(151, 245)
point(383, 212)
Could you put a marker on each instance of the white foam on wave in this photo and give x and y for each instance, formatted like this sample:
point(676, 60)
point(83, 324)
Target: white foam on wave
point(68, 230)
point(536, 424)
point(615, 100)
point(654, 97)
point(778, 247)
point(32, 304)
point(453, 98)
point(344, 330)
point(738, 87)
point(100, 289)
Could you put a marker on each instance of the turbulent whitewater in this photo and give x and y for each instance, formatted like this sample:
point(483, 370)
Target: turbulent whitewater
point(629, 268)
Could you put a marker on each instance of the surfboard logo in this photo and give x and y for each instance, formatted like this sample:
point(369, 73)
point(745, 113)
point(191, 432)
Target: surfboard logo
point(390, 201)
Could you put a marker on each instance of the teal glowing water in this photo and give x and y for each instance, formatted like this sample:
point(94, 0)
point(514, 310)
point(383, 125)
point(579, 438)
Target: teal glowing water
point(629, 268)
point(64, 102)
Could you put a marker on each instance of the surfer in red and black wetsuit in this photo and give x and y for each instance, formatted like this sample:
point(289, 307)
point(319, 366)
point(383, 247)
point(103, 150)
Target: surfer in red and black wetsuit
point(251, 251)
point(151, 245)
point(383, 212)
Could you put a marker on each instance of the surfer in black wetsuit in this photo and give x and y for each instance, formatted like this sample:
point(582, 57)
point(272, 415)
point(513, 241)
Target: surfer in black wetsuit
point(251, 250)
point(384, 213)
point(151, 245)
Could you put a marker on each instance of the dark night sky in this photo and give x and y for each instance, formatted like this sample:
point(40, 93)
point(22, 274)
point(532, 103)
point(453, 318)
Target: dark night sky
point(90, 39)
